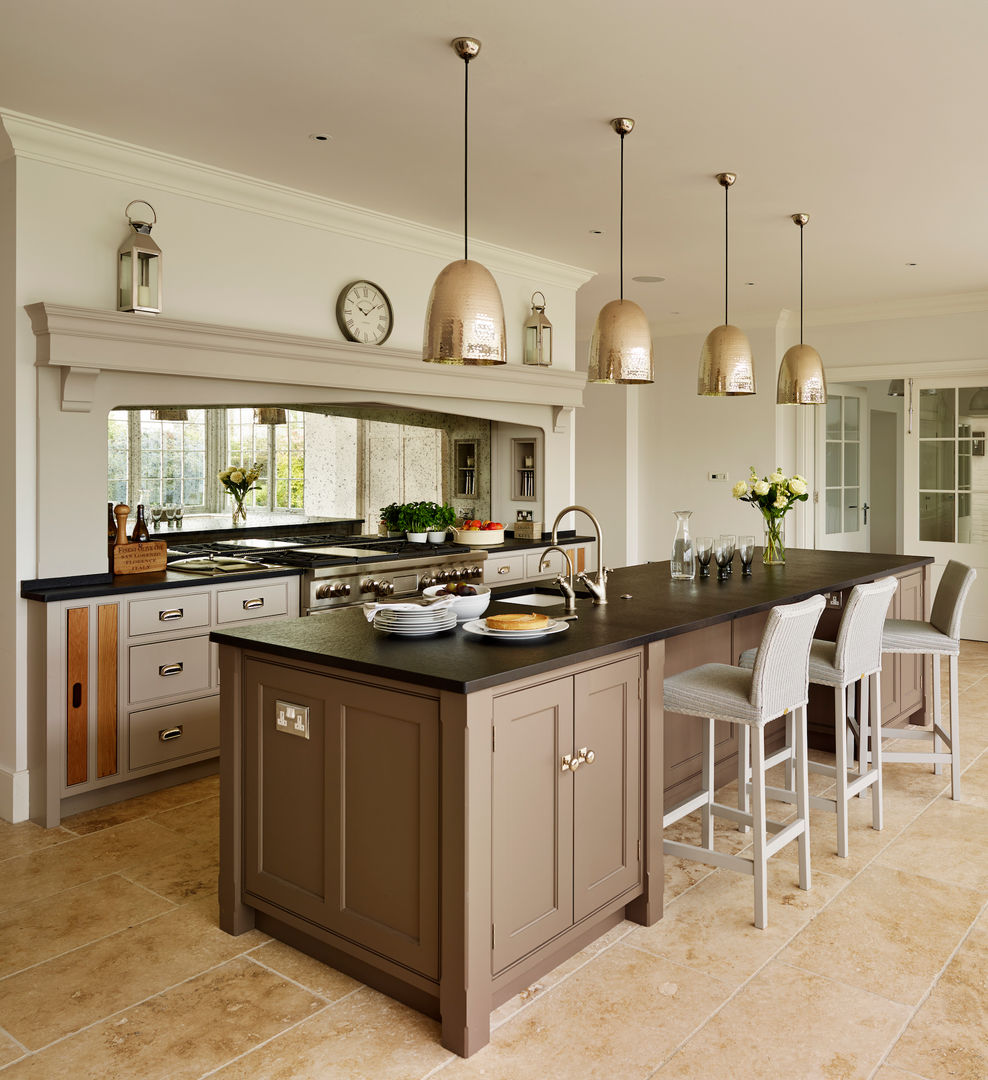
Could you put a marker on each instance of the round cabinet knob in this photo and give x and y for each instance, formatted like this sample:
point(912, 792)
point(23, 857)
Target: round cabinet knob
point(586, 755)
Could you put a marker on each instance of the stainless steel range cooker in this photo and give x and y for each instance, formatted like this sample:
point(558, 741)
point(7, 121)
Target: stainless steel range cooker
point(343, 571)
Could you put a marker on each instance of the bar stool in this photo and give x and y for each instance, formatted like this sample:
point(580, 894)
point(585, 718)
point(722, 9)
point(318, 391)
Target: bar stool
point(855, 657)
point(776, 685)
point(941, 636)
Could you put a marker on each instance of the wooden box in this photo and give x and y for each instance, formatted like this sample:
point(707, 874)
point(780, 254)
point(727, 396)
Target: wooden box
point(146, 557)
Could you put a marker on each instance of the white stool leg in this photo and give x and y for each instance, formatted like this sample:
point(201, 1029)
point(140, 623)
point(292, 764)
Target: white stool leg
point(759, 862)
point(955, 732)
point(706, 816)
point(744, 771)
point(937, 713)
point(840, 749)
point(802, 781)
point(876, 749)
point(863, 723)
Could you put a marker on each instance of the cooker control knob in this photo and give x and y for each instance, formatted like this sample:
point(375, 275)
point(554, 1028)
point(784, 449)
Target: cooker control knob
point(384, 588)
point(335, 588)
point(427, 580)
point(444, 576)
point(475, 572)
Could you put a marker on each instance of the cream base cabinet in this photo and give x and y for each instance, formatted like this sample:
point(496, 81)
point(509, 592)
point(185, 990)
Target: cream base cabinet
point(505, 567)
point(566, 840)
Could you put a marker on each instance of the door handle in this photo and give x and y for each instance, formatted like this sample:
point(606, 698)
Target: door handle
point(865, 508)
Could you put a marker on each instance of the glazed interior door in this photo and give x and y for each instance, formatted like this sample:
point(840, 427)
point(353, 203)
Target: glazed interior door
point(842, 454)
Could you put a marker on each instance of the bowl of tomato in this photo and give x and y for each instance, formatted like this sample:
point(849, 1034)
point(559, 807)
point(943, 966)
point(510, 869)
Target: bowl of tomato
point(479, 533)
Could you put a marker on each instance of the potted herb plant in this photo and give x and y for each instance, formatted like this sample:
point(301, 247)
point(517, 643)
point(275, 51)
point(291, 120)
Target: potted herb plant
point(416, 517)
point(442, 520)
point(391, 521)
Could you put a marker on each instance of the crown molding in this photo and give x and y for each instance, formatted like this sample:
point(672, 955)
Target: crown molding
point(84, 342)
point(36, 139)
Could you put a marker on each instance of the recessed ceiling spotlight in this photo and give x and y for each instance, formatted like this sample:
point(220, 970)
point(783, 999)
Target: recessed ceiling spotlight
point(749, 283)
point(910, 264)
point(596, 232)
point(649, 278)
point(320, 138)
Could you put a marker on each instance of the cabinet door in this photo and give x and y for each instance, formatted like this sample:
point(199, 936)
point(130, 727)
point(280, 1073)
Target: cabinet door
point(343, 826)
point(606, 792)
point(910, 601)
point(532, 819)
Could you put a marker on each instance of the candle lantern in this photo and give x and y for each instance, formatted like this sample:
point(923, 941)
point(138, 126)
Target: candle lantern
point(538, 335)
point(139, 265)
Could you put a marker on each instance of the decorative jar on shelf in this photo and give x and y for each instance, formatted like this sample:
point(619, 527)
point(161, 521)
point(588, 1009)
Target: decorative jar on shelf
point(682, 563)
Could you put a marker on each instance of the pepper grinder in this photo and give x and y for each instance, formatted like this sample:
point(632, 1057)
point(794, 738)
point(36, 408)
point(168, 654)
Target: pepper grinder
point(120, 512)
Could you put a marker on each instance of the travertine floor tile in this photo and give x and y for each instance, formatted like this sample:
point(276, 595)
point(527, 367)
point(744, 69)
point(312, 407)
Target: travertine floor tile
point(66, 993)
point(321, 979)
point(711, 928)
point(889, 932)
point(948, 841)
point(365, 1037)
point(974, 783)
point(9, 1050)
point(183, 1033)
point(185, 873)
point(105, 817)
point(198, 822)
point(25, 837)
point(54, 869)
point(32, 933)
point(887, 1072)
point(790, 1024)
point(619, 1016)
point(948, 1037)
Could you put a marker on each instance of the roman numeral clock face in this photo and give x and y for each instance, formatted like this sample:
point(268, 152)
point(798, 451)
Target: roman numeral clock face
point(364, 313)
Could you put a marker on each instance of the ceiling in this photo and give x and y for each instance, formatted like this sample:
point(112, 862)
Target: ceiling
point(867, 116)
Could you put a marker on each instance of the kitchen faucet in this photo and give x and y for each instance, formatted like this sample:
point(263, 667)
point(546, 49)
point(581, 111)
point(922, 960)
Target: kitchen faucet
point(598, 588)
point(566, 587)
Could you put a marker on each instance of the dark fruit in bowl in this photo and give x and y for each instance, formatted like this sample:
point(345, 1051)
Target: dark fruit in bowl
point(460, 589)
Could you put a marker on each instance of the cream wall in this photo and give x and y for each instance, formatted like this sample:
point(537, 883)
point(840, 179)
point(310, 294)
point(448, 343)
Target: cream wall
point(237, 252)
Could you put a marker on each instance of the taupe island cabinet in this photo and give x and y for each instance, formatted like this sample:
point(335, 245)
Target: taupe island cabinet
point(447, 818)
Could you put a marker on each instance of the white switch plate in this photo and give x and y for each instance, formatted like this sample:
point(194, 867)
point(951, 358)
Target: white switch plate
point(723, 477)
point(292, 719)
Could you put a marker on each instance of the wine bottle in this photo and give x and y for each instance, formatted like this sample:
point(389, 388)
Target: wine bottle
point(141, 531)
point(111, 526)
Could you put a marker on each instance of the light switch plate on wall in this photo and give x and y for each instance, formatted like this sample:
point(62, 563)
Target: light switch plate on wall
point(292, 719)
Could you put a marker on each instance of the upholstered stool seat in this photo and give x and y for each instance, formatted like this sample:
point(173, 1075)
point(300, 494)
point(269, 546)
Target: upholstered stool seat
point(775, 686)
point(855, 657)
point(941, 636)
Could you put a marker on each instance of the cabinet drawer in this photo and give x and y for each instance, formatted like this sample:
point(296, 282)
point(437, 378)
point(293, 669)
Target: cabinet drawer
point(168, 612)
point(259, 600)
point(498, 571)
point(170, 732)
point(167, 669)
point(556, 563)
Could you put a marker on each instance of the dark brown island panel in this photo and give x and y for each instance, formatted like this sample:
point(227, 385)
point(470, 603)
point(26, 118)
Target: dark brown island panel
point(448, 818)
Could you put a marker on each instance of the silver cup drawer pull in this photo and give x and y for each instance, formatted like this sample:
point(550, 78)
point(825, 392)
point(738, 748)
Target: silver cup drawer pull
point(171, 613)
point(504, 569)
point(171, 669)
point(167, 734)
point(257, 602)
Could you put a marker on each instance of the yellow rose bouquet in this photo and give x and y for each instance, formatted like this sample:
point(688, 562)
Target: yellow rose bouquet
point(238, 481)
point(774, 495)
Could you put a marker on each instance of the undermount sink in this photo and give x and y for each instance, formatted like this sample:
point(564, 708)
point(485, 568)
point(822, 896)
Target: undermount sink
point(534, 599)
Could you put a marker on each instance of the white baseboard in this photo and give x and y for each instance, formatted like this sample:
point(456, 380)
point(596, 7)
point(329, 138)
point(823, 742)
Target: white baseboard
point(14, 788)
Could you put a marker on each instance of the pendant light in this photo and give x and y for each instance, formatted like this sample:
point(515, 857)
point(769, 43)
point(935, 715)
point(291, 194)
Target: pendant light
point(897, 388)
point(621, 346)
point(464, 322)
point(801, 377)
point(726, 368)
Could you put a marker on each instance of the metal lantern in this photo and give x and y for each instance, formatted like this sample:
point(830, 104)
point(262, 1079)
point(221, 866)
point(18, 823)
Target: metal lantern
point(139, 265)
point(538, 335)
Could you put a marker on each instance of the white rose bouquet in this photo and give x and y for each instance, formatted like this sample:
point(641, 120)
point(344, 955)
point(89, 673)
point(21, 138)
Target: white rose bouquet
point(774, 495)
point(238, 481)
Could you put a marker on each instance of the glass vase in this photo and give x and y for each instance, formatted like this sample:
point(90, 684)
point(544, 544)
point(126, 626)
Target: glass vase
point(239, 511)
point(682, 562)
point(774, 551)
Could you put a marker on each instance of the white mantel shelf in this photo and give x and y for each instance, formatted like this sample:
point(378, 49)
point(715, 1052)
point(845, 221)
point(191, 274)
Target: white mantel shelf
point(86, 341)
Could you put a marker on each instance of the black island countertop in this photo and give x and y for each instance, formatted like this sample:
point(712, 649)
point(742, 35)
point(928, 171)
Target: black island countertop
point(644, 604)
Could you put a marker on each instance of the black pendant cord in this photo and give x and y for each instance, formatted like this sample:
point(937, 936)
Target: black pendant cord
point(726, 190)
point(466, 133)
point(621, 223)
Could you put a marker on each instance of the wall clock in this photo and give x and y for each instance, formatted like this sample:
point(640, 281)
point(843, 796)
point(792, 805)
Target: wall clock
point(364, 313)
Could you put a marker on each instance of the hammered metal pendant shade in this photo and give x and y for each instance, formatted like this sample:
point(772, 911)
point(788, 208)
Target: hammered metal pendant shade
point(464, 322)
point(621, 346)
point(801, 378)
point(726, 368)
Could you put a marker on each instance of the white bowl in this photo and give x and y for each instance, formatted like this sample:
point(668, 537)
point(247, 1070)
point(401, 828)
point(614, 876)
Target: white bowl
point(466, 607)
point(479, 537)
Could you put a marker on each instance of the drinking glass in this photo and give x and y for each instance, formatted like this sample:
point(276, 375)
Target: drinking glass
point(723, 553)
point(747, 549)
point(730, 541)
point(170, 514)
point(156, 512)
point(704, 550)
point(178, 517)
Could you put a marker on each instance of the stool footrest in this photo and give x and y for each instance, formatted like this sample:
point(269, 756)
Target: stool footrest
point(687, 806)
point(711, 858)
point(917, 757)
point(784, 836)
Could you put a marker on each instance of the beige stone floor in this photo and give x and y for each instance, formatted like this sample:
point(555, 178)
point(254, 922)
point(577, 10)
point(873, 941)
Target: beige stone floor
point(112, 964)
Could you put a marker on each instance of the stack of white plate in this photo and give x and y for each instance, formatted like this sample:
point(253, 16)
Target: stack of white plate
point(419, 622)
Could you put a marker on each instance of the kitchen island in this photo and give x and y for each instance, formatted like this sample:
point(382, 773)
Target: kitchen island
point(448, 818)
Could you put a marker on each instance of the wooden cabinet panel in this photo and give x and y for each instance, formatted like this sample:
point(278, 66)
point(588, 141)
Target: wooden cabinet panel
point(607, 792)
point(106, 690)
point(77, 695)
point(532, 817)
point(343, 827)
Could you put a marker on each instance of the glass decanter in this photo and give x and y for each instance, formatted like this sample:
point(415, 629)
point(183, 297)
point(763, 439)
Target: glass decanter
point(682, 563)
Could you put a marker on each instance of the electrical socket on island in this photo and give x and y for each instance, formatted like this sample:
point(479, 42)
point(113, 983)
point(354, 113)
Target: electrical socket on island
point(291, 719)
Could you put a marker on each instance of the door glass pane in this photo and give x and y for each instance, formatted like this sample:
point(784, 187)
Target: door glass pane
point(975, 519)
point(851, 455)
point(852, 510)
point(834, 512)
point(936, 414)
point(833, 416)
point(936, 517)
point(852, 422)
point(936, 464)
point(833, 464)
